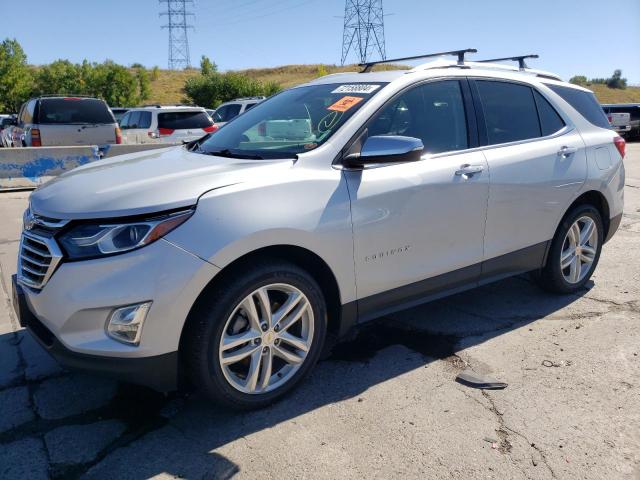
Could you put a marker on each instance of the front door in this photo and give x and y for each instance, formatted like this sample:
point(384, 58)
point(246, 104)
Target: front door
point(418, 227)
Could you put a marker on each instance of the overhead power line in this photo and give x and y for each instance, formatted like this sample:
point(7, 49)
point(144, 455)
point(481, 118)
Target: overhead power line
point(178, 26)
point(363, 30)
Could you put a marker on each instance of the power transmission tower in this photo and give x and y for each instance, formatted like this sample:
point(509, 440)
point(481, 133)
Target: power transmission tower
point(177, 24)
point(364, 27)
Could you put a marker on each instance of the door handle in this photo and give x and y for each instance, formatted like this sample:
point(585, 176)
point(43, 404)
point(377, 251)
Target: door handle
point(565, 151)
point(467, 170)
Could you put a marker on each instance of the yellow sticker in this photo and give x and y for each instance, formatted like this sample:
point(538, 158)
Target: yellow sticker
point(345, 103)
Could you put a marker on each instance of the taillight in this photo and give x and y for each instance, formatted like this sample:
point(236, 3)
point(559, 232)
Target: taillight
point(165, 131)
point(118, 136)
point(610, 120)
point(36, 141)
point(620, 145)
point(262, 129)
point(211, 128)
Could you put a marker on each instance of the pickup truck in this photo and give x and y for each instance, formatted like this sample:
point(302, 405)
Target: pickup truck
point(619, 121)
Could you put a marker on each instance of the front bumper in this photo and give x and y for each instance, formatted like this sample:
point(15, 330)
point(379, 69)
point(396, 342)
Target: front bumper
point(159, 372)
point(68, 315)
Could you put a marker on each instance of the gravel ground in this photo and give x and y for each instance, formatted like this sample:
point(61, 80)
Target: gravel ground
point(384, 405)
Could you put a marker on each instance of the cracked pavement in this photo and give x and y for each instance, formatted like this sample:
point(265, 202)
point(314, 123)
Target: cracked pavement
point(383, 405)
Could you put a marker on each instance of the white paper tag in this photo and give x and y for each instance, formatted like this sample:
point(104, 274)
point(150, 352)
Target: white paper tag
point(356, 88)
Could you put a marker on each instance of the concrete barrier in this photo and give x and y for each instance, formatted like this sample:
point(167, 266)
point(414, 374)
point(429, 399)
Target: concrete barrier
point(33, 166)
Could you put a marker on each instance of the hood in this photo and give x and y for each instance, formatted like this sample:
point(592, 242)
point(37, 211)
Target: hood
point(142, 183)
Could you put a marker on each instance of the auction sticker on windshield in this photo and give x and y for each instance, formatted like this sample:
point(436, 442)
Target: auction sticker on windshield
point(345, 103)
point(356, 88)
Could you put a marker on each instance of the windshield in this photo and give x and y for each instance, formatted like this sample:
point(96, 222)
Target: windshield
point(292, 122)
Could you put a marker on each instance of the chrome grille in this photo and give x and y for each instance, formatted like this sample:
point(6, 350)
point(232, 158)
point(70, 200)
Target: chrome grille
point(39, 256)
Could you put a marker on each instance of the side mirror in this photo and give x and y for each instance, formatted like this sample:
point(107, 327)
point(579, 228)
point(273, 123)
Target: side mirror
point(386, 149)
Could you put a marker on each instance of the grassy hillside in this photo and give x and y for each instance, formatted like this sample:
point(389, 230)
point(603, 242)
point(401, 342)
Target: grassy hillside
point(167, 88)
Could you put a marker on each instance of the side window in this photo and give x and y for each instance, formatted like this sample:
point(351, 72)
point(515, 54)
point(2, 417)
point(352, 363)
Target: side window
point(134, 120)
point(124, 121)
point(232, 111)
point(433, 112)
point(220, 114)
point(29, 109)
point(550, 121)
point(145, 120)
point(584, 102)
point(248, 106)
point(510, 112)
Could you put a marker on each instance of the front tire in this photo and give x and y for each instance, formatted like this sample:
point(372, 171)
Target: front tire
point(575, 251)
point(252, 340)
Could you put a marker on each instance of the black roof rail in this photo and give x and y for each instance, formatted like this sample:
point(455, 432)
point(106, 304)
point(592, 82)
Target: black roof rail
point(520, 59)
point(459, 53)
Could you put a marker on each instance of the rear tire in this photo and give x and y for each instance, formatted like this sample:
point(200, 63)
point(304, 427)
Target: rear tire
point(574, 252)
point(245, 355)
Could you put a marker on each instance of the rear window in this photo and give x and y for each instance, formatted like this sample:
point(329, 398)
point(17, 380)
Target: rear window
point(74, 111)
point(584, 102)
point(183, 120)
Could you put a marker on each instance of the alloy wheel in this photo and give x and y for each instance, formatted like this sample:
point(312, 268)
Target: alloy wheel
point(266, 338)
point(579, 249)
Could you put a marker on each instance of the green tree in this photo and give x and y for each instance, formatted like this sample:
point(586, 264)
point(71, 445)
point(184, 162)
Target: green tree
point(144, 83)
point(213, 89)
point(155, 73)
point(579, 80)
point(616, 80)
point(62, 77)
point(15, 76)
point(207, 67)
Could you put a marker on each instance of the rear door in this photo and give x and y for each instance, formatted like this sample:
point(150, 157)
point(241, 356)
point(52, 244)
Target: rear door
point(75, 121)
point(537, 163)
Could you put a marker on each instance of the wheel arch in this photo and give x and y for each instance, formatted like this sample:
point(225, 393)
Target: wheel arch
point(598, 200)
point(299, 256)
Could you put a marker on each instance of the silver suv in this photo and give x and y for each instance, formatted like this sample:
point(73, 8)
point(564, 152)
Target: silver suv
point(231, 260)
point(56, 120)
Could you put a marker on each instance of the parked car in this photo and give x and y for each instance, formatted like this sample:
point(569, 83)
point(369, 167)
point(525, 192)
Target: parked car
point(229, 110)
point(233, 259)
point(633, 109)
point(118, 112)
point(7, 122)
point(57, 120)
point(165, 124)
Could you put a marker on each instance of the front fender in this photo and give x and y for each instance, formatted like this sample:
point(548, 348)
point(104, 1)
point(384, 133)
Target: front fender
point(309, 209)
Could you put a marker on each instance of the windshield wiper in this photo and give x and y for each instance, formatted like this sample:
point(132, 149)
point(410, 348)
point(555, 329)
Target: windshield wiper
point(229, 154)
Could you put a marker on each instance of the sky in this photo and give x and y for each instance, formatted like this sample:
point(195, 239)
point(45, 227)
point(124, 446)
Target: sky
point(588, 37)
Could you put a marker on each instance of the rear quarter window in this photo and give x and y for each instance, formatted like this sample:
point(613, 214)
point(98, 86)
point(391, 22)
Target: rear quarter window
point(550, 121)
point(183, 120)
point(63, 111)
point(584, 102)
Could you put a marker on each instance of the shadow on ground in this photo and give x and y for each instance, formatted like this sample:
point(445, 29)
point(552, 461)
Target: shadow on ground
point(177, 434)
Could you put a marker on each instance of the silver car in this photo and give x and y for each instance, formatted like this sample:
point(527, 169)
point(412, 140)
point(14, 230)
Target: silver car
point(231, 261)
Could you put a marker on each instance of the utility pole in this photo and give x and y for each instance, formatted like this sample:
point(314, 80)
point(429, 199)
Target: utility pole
point(363, 30)
point(178, 25)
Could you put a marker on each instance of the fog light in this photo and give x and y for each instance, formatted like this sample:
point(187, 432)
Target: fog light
point(125, 323)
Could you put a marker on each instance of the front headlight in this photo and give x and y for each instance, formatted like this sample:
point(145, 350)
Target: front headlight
point(92, 240)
